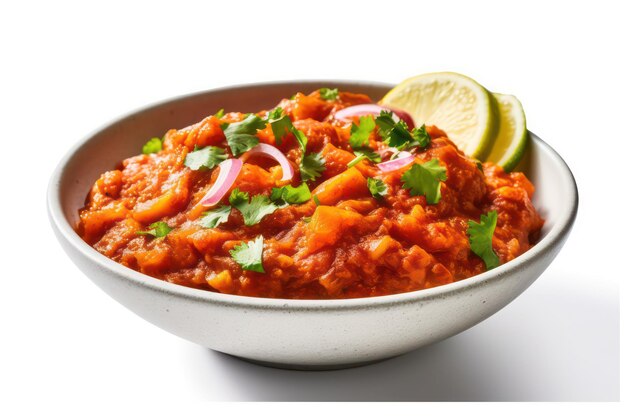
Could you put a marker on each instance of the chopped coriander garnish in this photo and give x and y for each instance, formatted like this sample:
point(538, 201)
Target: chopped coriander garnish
point(364, 153)
point(307, 219)
point(291, 195)
point(301, 138)
point(425, 179)
point(329, 94)
point(479, 165)
point(154, 145)
point(316, 200)
point(157, 229)
point(215, 217)
point(420, 136)
point(481, 238)
point(280, 123)
point(241, 135)
point(254, 210)
point(360, 134)
point(249, 255)
point(219, 114)
point(377, 187)
point(206, 158)
point(397, 134)
point(311, 166)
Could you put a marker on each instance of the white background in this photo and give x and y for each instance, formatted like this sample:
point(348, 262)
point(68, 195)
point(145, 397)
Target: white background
point(68, 68)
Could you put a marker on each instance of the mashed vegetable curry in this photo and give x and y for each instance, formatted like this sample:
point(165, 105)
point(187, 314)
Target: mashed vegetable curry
point(335, 207)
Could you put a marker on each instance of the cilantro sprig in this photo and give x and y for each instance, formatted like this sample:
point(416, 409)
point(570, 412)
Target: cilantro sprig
point(425, 179)
point(481, 238)
point(154, 145)
point(397, 134)
point(311, 165)
point(280, 123)
point(377, 187)
point(241, 135)
point(249, 255)
point(215, 217)
point(253, 210)
point(291, 195)
point(205, 158)
point(359, 141)
point(329, 94)
point(157, 229)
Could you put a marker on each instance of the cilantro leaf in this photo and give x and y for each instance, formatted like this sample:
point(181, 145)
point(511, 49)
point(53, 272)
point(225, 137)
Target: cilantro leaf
point(280, 123)
point(215, 217)
point(481, 238)
point(425, 179)
point(317, 200)
point(154, 145)
point(291, 195)
point(219, 114)
point(377, 187)
point(206, 158)
point(238, 197)
point(157, 229)
point(241, 135)
point(360, 134)
point(397, 134)
point(249, 255)
point(311, 166)
point(420, 136)
point(254, 210)
point(385, 122)
point(329, 94)
point(301, 138)
point(364, 153)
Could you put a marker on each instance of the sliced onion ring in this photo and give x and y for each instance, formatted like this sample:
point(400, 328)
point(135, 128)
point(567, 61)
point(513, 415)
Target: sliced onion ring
point(374, 109)
point(404, 158)
point(229, 170)
point(275, 154)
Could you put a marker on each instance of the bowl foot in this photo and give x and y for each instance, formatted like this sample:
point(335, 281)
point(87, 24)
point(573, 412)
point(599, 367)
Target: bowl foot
point(299, 367)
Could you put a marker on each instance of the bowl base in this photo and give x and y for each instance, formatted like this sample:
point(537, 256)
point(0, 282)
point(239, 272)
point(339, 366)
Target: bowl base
point(299, 367)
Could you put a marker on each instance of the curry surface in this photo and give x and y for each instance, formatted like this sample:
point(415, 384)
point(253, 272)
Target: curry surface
point(351, 245)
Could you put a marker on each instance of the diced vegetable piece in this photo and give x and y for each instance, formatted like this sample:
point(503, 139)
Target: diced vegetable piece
point(349, 184)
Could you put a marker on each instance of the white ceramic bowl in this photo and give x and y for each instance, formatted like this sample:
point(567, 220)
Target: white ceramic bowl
point(296, 333)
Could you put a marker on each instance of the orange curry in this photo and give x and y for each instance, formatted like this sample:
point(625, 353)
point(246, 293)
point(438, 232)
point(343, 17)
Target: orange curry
point(344, 241)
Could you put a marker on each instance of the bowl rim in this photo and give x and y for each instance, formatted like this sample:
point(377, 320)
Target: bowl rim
point(64, 229)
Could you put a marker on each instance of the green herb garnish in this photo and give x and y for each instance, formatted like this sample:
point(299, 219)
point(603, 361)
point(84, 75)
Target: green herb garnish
point(280, 123)
point(425, 179)
point(249, 255)
point(215, 217)
point(154, 145)
point(206, 158)
point(481, 238)
point(311, 166)
point(253, 210)
point(157, 229)
point(219, 114)
point(241, 135)
point(377, 187)
point(291, 195)
point(329, 94)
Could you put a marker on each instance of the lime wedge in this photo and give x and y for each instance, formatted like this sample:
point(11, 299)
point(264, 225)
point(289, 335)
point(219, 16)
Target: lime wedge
point(512, 137)
point(460, 106)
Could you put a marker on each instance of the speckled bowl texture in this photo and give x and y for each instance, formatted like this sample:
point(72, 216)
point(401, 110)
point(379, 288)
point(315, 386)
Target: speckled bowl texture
point(301, 334)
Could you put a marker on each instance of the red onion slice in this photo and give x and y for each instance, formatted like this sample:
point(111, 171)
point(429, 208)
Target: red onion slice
point(229, 170)
point(275, 154)
point(404, 158)
point(374, 109)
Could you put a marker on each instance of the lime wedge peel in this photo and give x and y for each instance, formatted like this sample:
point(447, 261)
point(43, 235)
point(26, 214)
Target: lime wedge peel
point(460, 106)
point(512, 138)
